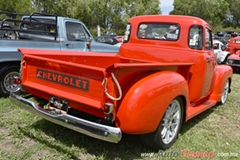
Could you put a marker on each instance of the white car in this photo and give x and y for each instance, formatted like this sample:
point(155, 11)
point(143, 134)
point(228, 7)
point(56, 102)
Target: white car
point(221, 55)
point(118, 44)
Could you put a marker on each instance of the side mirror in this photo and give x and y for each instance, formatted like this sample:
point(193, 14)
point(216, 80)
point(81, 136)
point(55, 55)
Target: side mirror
point(89, 43)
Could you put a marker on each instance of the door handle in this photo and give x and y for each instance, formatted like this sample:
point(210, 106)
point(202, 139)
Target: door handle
point(209, 58)
point(69, 45)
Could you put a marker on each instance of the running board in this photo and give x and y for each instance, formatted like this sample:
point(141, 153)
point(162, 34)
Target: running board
point(192, 111)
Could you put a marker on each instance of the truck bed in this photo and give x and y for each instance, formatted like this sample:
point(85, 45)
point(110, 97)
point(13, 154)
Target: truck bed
point(72, 75)
point(12, 45)
point(79, 77)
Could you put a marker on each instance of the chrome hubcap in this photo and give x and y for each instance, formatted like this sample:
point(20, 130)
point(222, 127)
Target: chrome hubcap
point(171, 122)
point(8, 82)
point(225, 92)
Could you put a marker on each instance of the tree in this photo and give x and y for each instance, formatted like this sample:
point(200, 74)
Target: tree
point(212, 11)
point(16, 6)
point(234, 13)
point(45, 6)
point(114, 14)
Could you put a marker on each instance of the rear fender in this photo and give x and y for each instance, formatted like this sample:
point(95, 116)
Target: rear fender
point(222, 74)
point(145, 103)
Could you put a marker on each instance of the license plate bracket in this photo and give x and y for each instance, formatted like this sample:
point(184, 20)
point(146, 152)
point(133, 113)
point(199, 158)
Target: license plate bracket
point(58, 103)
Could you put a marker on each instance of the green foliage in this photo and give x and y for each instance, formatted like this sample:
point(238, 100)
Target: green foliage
point(112, 15)
point(109, 14)
point(218, 13)
point(16, 6)
point(234, 12)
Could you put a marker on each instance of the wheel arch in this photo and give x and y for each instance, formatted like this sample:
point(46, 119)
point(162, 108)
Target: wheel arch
point(4, 68)
point(139, 111)
point(223, 73)
point(4, 65)
point(226, 55)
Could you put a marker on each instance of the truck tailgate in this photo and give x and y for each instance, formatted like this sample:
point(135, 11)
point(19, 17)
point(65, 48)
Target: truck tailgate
point(73, 76)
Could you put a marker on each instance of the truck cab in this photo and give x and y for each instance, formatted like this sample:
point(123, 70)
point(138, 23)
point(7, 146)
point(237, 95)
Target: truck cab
point(174, 49)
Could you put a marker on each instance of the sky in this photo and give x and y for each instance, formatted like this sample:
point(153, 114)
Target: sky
point(166, 6)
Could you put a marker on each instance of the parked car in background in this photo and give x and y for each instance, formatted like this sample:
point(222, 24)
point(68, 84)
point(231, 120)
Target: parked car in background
point(234, 34)
point(234, 61)
point(106, 39)
point(234, 48)
point(221, 39)
point(119, 38)
point(219, 51)
point(233, 45)
point(118, 44)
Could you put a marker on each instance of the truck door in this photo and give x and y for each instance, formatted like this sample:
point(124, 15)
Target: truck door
point(202, 72)
point(210, 63)
point(76, 37)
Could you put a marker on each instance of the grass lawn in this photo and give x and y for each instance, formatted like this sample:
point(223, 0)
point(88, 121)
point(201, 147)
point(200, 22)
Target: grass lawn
point(214, 133)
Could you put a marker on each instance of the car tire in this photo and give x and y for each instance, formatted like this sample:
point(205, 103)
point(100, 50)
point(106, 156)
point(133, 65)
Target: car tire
point(6, 80)
point(168, 129)
point(225, 93)
point(8, 33)
point(225, 60)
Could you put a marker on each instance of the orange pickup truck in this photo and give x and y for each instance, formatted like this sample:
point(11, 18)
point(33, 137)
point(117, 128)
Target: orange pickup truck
point(164, 74)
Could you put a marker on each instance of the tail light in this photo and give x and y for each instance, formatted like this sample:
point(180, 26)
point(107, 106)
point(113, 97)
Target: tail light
point(17, 80)
point(108, 108)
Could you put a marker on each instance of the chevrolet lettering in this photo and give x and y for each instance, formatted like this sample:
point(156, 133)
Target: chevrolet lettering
point(67, 80)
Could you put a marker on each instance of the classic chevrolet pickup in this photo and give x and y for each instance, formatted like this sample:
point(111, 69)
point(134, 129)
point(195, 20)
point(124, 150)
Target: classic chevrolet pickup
point(41, 31)
point(164, 74)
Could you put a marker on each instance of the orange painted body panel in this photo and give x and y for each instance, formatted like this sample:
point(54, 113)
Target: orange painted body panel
point(69, 75)
point(233, 45)
point(150, 73)
point(146, 101)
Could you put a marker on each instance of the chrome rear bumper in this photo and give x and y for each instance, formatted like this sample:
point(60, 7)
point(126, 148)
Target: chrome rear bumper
point(96, 130)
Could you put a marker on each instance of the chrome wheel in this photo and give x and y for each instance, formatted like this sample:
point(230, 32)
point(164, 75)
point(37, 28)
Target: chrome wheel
point(10, 35)
point(225, 93)
point(171, 122)
point(168, 128)
point(8, 82)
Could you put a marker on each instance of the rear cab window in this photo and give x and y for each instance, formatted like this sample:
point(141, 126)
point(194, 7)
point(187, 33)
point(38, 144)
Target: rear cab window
point(195, 37)
point(159, 31)
point(39, 24)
